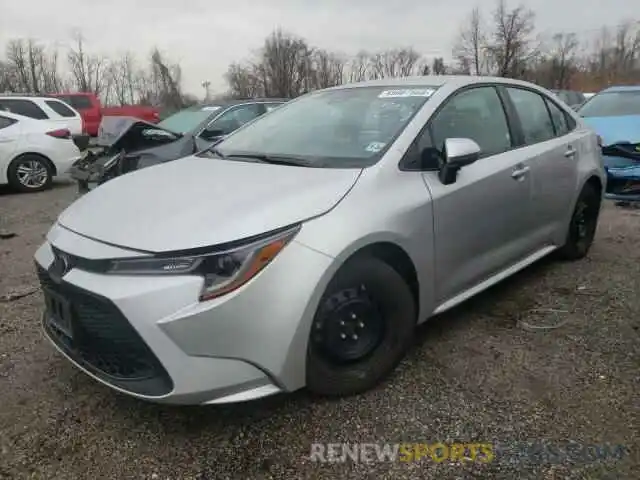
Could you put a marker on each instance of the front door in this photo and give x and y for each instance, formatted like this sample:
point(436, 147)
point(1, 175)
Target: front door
point(480, 221)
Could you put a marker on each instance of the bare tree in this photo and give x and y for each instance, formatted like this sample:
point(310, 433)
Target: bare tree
point(512, 46)
point(438, 67)
point(31, 68)
point(471, 46)
point(399, 62)
point(88, 70)
point(327, 69)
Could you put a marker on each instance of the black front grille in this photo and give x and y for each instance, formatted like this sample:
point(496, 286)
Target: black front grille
point(104, 342)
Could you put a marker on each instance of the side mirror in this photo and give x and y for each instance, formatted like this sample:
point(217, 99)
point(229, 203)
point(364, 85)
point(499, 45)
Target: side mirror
point(212, 134)
point(458, 153)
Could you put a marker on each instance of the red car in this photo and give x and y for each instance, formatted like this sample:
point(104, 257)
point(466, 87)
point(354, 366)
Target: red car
point(91, 110)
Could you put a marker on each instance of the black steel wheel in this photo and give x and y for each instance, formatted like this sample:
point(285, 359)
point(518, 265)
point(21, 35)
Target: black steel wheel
point(583, 225)
point(362, 328)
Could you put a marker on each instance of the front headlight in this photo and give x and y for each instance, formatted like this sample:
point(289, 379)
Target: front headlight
point(222, 271)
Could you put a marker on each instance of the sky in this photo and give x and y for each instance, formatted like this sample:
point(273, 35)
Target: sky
point(205, 36)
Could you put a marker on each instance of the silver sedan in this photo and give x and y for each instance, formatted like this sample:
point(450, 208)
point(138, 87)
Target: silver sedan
point(304, 249)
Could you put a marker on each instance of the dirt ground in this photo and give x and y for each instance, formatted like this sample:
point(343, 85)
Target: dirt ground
point(475, 375)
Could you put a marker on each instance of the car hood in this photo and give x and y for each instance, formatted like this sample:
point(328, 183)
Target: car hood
point(616, 129)
point(198, 202)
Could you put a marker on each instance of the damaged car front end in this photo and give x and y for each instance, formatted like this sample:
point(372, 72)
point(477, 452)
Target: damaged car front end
point(614, 114)
point(125, 144)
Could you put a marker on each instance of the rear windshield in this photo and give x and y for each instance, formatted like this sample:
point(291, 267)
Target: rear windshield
point(612, 104)
point(79, 102)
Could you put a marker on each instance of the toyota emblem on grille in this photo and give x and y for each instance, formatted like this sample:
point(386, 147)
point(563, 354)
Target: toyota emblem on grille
point(61, 265)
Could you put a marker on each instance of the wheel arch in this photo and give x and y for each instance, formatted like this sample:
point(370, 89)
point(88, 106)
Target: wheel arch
point(51, 165)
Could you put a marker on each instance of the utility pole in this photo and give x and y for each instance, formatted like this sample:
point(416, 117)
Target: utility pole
point(206, 84)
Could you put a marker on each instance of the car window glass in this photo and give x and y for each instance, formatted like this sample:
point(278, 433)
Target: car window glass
point(235, 118)
point(79, 102)
point(22, 107)
point(476, 114)
point(559, 119)
point(5, 122)
point(533, 114)
point(60, 108)
point(271, 106)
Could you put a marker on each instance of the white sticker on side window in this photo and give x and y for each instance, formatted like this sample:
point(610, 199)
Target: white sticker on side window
point(410, 92)
point(375, 147)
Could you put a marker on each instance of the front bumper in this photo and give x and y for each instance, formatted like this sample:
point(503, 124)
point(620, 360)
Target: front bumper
point(623, 179)
point(161, 344)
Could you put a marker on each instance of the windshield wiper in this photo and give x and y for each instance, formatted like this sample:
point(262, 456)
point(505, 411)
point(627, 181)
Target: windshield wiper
point(275, 159)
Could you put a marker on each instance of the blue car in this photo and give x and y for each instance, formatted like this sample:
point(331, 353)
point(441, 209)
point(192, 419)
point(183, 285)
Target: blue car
point(614, 113)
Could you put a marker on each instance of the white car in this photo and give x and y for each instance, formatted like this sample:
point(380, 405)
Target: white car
point(33, 152)
point(44, 108)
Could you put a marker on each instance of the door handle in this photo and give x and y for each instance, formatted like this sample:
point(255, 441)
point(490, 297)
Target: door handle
point(5, 140)
point(570, 153)
point(519, 173)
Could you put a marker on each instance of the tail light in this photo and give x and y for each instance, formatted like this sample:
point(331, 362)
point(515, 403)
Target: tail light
point(60, 133)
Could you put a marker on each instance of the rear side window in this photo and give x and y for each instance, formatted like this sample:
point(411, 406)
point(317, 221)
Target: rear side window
point(533, 114)
point(6, 122)
point(23, 107)
point(559, 118)
point(79, 102)
point(60, 108)
point(272, 106)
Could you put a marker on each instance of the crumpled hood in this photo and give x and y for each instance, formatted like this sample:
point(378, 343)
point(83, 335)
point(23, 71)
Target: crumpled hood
point(613, 130)
point(198, 202)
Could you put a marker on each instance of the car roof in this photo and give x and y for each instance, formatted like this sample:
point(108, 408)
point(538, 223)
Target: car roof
point(231, 103)
point(25, 97)
point(622, 88)
point(432, 81)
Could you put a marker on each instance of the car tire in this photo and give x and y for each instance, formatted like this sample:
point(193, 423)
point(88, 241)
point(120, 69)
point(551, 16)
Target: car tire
point(34, 164)
point(368, 300)
point(583, 225)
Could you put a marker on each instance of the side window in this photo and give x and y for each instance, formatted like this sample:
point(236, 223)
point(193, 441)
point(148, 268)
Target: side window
point(23, 107)
point(534, 116)
point(559, 118)
point(235, 118)
point(60, 108)
point(6, 122)
point(477, 114)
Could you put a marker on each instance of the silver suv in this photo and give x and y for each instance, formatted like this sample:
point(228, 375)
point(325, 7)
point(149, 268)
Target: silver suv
point(304, 248)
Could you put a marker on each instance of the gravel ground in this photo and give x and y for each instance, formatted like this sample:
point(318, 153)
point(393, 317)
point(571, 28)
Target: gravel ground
point(474, 375)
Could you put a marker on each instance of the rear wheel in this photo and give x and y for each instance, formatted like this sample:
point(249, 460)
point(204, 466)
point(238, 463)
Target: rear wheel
point(30, 173)
point(362, 329)
point(584, 222)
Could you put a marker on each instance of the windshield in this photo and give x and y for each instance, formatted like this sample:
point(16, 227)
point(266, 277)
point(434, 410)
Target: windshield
point(186, 121)
point(349, 128)
point(612, 104)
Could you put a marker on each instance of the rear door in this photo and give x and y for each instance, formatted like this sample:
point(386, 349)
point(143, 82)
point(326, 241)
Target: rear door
point(481, 221)
point(550, 139)
point(9, 136)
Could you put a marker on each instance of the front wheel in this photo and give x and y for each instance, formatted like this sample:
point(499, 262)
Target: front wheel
point(582, 228)
point(30, 173)
point(362, 329)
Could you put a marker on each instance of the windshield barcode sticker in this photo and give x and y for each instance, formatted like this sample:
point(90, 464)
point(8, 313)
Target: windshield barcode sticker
point(411, 92)
point(210, 109)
